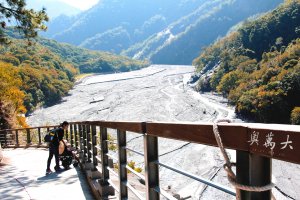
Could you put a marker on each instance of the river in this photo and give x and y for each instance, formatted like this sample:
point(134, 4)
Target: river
point(156, 93)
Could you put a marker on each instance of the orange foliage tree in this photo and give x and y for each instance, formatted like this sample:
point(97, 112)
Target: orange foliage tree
point(12, 109)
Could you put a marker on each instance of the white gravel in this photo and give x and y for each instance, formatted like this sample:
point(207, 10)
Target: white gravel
point(156, 93)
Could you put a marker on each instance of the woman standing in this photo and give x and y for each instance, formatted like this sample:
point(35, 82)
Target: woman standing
point(53, 146)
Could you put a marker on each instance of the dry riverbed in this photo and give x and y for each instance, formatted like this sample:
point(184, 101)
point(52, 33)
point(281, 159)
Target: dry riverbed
point(160, 93)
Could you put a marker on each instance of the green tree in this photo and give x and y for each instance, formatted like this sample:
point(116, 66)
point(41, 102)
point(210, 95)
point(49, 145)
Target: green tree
point(229, 81)
point(27, 21)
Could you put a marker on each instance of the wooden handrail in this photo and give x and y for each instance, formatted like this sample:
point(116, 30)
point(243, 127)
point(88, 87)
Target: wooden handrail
point(255, 145)
point(250, 137)
point(253, 138)
point(137, 127)
point(20, 129)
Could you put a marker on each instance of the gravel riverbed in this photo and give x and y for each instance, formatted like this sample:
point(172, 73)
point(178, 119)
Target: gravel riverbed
point(158, 93)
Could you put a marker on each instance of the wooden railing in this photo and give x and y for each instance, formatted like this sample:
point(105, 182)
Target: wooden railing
point(255, 144)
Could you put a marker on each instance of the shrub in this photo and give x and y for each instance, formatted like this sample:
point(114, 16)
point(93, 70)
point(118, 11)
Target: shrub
point(295, 116)
point(131, 164)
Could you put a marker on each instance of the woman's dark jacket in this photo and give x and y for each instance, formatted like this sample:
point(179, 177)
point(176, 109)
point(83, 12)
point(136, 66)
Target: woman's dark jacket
point(59, 134)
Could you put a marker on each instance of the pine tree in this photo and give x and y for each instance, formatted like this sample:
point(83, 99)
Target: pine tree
point(28, 21)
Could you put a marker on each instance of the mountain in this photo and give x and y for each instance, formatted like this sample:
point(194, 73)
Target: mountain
point(88, 61)
point(40, 74)
point(52, 8)
point(257, 66)
point(120, 17)
point(183, 40)
point(30, 77)
point(169, 31)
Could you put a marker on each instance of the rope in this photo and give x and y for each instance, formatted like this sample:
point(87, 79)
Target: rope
point(23, 187)
point(228, 165)
point(283, 193)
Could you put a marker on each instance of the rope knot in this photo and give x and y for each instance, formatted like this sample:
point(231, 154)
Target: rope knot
point(228, 165)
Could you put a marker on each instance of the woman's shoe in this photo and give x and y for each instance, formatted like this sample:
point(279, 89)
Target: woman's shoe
point(57, 169)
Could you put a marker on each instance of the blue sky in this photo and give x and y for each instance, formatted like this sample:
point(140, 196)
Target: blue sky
point(54, 8)
point(80, 4)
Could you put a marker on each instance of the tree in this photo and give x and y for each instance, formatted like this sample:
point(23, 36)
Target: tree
point(25, 20)
point(295, 116)
point(11, 99)
point(229, 81)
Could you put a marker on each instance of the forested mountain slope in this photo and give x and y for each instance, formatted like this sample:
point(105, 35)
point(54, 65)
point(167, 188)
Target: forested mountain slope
point(183, 40)
point(257, 67)
point(88, 61)
point(30, 76)
point(113, 25)
point(164, 32)
point(42, 73)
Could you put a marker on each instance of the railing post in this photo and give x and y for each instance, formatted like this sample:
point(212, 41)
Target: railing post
point(39, 134)
point(123, 194)
point(80, 141)
point(17, 138)
point(5, 138)
point(94, 143)
point(84, 143)
point(71, 135)
point(242, 172)
point(2, 138)
point(88, 140)
point(260, 175)
point(76, 136)
point(10, 137)
point(151, 168)
point(104, 157)
point(105, 189)
point(67, 134)
point(28, 136)
point(253, 170)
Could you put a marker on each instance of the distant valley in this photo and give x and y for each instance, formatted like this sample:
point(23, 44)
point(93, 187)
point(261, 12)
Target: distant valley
point(150, 30)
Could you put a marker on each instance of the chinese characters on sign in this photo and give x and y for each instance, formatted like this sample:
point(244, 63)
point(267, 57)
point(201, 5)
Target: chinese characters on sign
point(268, 141)
point(254, 138)
point(287, 143)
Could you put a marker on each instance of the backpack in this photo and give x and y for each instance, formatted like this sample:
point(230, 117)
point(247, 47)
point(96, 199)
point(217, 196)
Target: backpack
point(49, 136)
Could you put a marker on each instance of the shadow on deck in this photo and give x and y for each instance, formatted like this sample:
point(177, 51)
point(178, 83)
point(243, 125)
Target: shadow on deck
point(23, 176)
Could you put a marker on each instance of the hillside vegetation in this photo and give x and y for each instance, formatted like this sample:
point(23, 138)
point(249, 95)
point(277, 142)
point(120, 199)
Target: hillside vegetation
point(30, 76)
point(114, 25)
point(42, 73)
point(257, 67)
point(88, 61)
point(159, 34)
point(182, 41)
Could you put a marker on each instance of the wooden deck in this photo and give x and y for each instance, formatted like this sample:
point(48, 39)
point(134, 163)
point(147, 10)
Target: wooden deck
point(23, 176)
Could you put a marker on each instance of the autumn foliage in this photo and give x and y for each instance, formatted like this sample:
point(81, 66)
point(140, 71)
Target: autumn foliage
point(295, 116)
point(35, 71)
point(11, 98)
point(257, 67)
point(30, 77)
